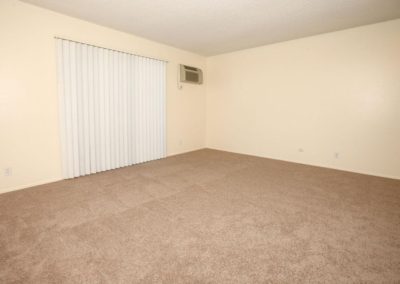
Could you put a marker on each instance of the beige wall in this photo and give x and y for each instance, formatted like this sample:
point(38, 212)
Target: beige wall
point(29, 138)
point(332, 93)
point(327, 94)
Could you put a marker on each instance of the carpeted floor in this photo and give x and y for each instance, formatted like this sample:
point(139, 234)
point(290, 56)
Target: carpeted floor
point(204, 217)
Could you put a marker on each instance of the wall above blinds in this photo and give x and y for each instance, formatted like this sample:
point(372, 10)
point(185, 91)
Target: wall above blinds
point(112, 108)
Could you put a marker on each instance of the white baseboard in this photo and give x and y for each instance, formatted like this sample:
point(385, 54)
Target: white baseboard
point(19, 187)
point(23, 186)
point(184, 152)
point(314, 165)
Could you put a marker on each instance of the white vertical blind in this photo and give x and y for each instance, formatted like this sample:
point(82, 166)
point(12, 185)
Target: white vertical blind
point(112, 108)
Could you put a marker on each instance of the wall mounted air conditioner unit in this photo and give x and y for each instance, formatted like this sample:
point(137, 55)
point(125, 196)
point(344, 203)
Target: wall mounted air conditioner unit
point(190, 74)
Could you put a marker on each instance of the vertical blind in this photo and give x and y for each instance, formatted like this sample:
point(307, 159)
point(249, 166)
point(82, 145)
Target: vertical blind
point(112, 108)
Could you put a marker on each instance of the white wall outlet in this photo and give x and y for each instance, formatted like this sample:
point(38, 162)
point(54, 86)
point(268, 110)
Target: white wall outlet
point(7, 172)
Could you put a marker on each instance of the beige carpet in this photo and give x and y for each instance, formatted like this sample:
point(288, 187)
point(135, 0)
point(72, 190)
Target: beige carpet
point(204, 217)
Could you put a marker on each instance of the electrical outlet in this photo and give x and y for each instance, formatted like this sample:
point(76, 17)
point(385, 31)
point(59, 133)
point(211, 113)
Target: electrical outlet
point(8, 172)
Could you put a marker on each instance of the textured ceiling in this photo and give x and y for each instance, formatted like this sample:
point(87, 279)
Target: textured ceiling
point(210, 27)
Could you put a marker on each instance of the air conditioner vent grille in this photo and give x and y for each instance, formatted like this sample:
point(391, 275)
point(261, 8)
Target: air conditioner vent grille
point(189, 74)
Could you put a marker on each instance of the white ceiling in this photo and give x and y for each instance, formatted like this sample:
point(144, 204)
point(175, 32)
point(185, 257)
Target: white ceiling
point(211, 27)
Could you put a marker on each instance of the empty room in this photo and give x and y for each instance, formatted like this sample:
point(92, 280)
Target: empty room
point(170, 141)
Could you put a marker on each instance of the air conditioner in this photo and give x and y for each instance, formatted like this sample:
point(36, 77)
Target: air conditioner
point(190, 74)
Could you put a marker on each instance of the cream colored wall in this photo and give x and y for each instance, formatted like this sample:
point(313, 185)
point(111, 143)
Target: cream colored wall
point(29, 137)
point(327, 94)
point(332, 93)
